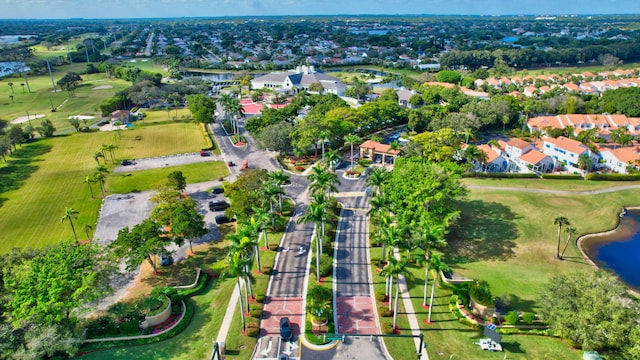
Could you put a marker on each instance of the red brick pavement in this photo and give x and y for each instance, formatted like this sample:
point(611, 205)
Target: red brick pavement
point(355, 315)
point(276, 308)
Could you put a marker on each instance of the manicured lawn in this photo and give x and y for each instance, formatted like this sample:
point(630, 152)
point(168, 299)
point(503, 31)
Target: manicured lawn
point(85, 102)
point(135, 181)
point(508, 239)
point(44, 177)
point(551, 184)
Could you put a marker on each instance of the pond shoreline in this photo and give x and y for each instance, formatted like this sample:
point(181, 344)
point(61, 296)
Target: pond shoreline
point(589, 238)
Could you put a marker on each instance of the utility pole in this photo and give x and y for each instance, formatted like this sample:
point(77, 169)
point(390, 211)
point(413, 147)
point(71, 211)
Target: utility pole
point(51, 76)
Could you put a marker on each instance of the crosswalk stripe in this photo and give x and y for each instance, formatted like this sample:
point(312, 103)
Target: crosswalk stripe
point(350, 194)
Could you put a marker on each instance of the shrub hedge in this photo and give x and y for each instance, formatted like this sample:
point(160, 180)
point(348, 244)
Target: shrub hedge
point(500, 175)
point(562, 176)
point(613, 177)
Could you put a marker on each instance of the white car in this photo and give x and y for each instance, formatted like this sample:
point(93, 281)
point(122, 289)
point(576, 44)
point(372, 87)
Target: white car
point(488, 344)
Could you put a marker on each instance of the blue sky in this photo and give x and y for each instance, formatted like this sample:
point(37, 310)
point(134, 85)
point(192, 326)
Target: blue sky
point(188, 8)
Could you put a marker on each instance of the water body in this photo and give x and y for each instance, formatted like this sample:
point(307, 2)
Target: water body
point(619, 251)
point(9, 67)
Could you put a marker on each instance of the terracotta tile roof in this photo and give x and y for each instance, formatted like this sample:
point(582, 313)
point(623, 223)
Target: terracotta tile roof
point(624, 155)
point(491, 154)
point(564, 143)
point(378, 147)
point(533, 157)
point(518, 143)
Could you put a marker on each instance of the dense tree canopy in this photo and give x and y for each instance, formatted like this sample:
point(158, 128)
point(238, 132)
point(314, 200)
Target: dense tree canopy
point(60, 280)
point(245, 193)
point(202, 108)
point(592, 311)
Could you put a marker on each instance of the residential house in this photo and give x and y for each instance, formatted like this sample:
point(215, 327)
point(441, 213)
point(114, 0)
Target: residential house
point(620, 159)
point(536, 162)
point(566, 152)
point(494, 161)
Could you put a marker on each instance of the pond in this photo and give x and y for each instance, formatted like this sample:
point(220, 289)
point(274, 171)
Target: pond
point(619, 250)
point(9, 67)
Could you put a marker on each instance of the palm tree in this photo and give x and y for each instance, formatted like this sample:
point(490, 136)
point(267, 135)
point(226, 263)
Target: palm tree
point(394, 269)
point(570, 231)
point(237, 265)
point(388, 235)
point(379, 209)
point(332, 157)
point(88, 180)
point(99, 177)
point(429, 236)
point(322, 180)
point(323, 137)
point(70, 214)
point(88, 228)
point(97, 155)
point(376, 179)
point(315, 215)
point(438, 266)
point(279, 178)
point(262, 216)
point(110, 148)
point(473, 154)
point(560, 221)
point(11, 86)
point(319, 302)
point(272, 193)
point(351, 140)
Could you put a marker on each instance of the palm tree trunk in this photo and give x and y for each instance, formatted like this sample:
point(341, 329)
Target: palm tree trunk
point(90, 189)
point(395, 306)
point(240, 302)
point(433, 290)
point(255, 248)
point(73, 229)
point(558, 247)
point(317, 255)
point(153, 264)
point(426, 284)
point(190, 246)
point(384, 250)
point(266, 239)
point(390, 290)
point(565, 247)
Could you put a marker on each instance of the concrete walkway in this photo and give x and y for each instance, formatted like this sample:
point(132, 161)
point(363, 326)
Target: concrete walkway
point(228, 316)
point(408, 307)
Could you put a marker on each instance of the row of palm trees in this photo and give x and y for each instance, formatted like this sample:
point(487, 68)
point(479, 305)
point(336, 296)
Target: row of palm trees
point(387, 231)
point(245, 242)
point(232, 111)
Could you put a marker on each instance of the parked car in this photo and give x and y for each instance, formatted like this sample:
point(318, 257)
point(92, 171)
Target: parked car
point(166, 260)
point(204, 153)
point(222, 219)
point(126, 162)
point(285, 329)
point(218, 205)
point(217, 190)
point(230, 163)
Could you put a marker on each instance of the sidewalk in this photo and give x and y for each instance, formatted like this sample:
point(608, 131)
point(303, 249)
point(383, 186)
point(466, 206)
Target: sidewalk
point(228, 317)
point(408, 306)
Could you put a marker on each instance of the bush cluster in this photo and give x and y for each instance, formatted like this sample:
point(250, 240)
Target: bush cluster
point(500, 175)
point(613, 177)
point(562, 176)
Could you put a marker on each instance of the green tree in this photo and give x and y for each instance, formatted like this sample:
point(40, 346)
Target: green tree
point(63, 278)
point(202, 108)
point(187, 223)
point(437, 265)
point(177, 181)
point(590, 310)
point(570, 231)
point(69, 215)
point(46, 128)
point(321, 180)
point(245, 193)
point(320, 302)
point(141, 243)
point(377, 177)
point(237, 268)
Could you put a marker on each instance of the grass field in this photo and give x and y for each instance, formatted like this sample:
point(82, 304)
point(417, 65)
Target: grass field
point(40, 100)
point(508, 239)
point(44, 177)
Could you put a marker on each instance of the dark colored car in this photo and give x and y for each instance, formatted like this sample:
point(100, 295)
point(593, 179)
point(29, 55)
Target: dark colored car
point(217, 190)
point(285, 329)
point(230, 163)
point(204, 153)
point(125, 162)
point(166, 260)
point(218, 205)
point(222, 219)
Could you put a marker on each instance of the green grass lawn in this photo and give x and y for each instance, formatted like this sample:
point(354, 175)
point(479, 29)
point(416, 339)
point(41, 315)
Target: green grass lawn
point(44, 177)
point(40, 100)
point(508, 239)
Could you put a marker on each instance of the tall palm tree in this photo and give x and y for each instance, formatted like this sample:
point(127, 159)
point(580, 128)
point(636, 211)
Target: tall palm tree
point(570, 231)
point(315, 215)
point(70, 214)
point(262, 216)
point(322, 137)
point(272, 193)
point(88, 228)
point(379, 209)
point(560, 221)
point(279, 178)
point(323, 180)
point(88, 180)
point(351, 140)
point(11, 86)
point(429, 236)
point(237, 266)
point(376, 179)
point(438, 265)
point(392, 271)
point(388, 235)
point(99, 178)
